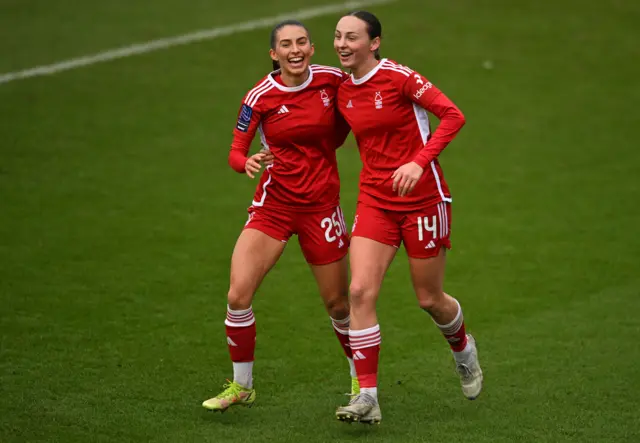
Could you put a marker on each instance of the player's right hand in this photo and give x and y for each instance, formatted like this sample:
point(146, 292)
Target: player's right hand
point(253, 166)
point(268, 158)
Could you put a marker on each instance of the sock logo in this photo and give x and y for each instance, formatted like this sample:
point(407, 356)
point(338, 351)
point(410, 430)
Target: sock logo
point(231, 342)
point(359, 356)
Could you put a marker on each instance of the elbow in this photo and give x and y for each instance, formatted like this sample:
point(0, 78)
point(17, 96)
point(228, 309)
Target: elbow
point(461, 118)
point(230, 160)
point(455, 117)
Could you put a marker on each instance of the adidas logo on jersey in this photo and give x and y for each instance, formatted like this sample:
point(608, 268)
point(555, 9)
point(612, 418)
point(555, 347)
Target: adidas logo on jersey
point(349, 105)
point(231, 342)
point(359, 356)
point(341, 244)
point(283, 110)
point(431, 245)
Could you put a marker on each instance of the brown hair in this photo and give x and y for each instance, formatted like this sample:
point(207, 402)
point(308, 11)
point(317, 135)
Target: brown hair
point(374, 27)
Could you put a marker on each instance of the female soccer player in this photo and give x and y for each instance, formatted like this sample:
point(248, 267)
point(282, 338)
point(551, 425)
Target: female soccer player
point(293, 109)
point(403, 199)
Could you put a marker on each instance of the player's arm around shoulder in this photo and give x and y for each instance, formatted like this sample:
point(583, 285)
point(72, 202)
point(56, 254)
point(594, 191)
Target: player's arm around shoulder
point(334, 77)
point(342, 127)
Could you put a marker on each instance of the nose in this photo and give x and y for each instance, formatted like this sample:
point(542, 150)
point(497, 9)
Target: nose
point(340, 42)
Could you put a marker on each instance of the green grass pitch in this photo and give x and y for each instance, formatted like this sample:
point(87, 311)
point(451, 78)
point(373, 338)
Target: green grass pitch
point(118, 214)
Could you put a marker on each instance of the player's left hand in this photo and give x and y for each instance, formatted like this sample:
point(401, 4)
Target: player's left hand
point(406, 177)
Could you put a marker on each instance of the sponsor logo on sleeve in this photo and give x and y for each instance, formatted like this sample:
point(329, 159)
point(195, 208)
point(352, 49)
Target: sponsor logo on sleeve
point(420, 92)
point(245, 118)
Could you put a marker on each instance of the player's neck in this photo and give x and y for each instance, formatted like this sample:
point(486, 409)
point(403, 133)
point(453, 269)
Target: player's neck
point(292, 81)
point(365, 68)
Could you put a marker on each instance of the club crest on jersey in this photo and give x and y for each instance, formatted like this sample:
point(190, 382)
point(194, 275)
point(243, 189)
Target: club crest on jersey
point(244, 119)
point(325, 98)
point(378, 100)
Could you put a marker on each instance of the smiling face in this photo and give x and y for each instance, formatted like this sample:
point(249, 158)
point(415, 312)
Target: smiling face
point(352, 43)
point(292, 49)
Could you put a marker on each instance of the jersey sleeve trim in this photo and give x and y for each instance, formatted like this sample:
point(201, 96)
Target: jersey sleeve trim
point(327, 69)
point(256, 93)
point(390, 66)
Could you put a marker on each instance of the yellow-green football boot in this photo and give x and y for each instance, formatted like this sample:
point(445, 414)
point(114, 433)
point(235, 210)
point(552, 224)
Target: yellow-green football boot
point(233, 394)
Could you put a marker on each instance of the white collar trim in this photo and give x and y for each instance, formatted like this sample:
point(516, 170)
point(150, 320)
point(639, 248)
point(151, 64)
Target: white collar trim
point(293, 88)
point(368, 75)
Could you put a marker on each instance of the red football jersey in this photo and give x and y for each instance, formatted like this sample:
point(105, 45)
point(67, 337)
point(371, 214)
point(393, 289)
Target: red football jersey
point(387, 112)
point(302, 129)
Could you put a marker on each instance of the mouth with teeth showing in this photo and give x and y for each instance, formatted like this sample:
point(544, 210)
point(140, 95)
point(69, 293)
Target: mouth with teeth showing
point(345, 56)
point(296, 62)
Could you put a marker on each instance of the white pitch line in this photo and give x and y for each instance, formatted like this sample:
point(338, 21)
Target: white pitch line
point(185, 39)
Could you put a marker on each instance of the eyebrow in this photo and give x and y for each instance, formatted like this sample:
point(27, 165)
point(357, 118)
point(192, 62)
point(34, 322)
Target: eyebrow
point(289, 40)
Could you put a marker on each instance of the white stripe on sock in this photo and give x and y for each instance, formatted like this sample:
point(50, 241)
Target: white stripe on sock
point(240, 318)
point(455, 325)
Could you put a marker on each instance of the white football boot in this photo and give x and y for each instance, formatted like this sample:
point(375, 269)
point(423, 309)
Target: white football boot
point(470, 372)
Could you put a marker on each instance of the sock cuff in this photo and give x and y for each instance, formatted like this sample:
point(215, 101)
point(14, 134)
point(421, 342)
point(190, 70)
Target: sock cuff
point(455, 324)
point(341, 326)
point(364, 338)
point(240, 311)
point(344, 322)
point(239, 319)
point(363, 332)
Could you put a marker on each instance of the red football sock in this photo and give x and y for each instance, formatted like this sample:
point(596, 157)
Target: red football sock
point(455, 332)
point(365, 345)
point(341, 328)
point(241, 334)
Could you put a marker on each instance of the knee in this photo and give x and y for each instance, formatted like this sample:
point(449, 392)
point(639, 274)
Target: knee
point(361, 293)
point(239, 299)
point(336, 302)
point(429, 299)
point(337, 307)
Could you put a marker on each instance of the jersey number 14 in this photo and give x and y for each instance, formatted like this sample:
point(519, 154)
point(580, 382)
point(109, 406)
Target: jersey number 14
point(423, 225)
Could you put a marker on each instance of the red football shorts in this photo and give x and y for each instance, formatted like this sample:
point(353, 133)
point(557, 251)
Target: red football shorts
point(322, 235)
point(423, 231)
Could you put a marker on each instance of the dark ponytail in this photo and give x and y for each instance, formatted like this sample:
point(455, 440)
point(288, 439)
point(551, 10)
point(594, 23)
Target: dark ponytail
point(374, 27)
point(274, 36)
